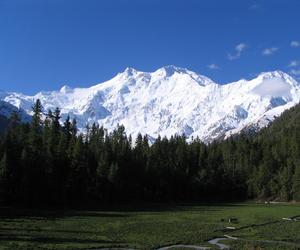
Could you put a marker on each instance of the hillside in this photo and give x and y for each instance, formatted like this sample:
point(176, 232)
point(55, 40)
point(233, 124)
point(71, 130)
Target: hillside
point(3, 123)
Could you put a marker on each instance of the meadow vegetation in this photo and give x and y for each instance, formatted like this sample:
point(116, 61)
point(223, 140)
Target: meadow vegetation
point(151, 226)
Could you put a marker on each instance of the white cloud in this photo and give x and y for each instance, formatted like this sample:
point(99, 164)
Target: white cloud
point(295, 44)
point(294, 63)
point(269, 51)
point(295, 72)
point(231, 57)
point(213, 66)
point(240, 47)
point(238, 51)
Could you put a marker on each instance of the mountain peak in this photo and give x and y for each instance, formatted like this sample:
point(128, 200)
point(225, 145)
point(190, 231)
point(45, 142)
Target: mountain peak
point(130, 71)
point(65, 89)
point(274, 74)
point(277, 76)
point(169, 70)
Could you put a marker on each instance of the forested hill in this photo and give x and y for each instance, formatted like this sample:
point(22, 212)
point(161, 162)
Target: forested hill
point(281, 126)
point(276, 159)
point(46, 163)
point(3, 124)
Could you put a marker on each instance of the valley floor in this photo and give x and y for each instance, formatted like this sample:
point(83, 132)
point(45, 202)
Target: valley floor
point(154, 227)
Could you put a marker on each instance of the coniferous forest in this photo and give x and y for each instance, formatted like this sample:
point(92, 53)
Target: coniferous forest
point(49, 163)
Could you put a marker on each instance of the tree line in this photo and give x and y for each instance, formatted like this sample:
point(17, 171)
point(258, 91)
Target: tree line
point(48, 162)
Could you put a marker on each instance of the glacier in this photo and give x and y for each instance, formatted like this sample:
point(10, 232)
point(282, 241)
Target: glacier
point(171, 100)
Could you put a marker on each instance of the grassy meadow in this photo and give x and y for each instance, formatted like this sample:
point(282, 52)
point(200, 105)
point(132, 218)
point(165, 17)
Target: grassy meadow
point(150, 227)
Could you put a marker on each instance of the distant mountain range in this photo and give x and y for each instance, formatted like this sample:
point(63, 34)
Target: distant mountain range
point(171, 100)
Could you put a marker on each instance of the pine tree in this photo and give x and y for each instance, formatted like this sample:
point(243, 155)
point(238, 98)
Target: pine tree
point(4, 179)
point(78, 176)
point(37, 115)
point(36, 177)
point(296, 184)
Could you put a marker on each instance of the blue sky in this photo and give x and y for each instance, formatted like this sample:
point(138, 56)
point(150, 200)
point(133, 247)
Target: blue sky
point(45, 44)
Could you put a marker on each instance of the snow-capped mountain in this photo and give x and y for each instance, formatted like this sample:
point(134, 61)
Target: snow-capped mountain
point(172, 100)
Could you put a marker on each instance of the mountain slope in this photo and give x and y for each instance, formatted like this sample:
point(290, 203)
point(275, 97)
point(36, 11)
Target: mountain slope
point(172, 100)
point(6, 110)
point(4, 122)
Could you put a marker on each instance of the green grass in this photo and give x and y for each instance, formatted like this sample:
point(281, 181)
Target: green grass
point(148, 228)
